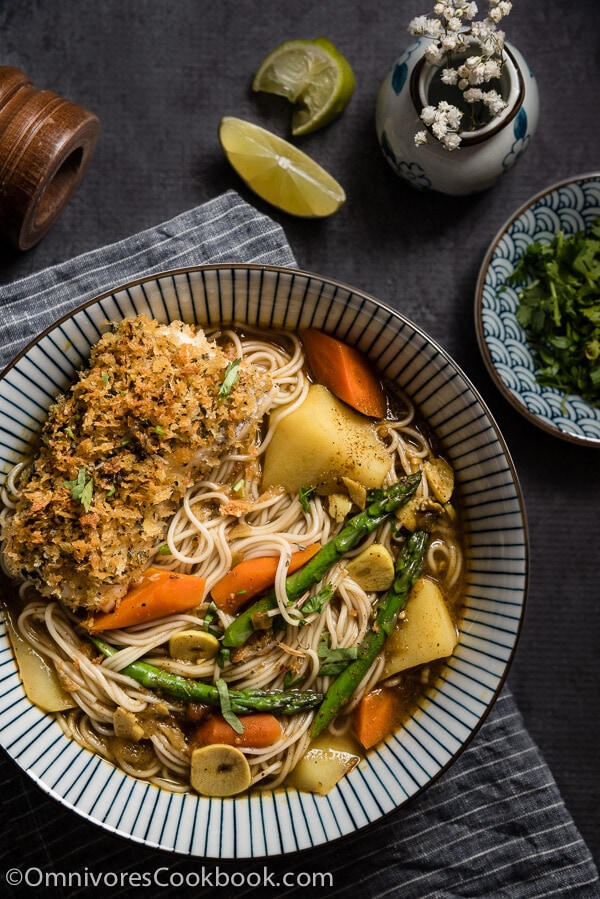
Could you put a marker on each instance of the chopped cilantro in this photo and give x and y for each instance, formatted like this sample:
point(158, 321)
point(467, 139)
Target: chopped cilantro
point(559, 309)
point(232, 373)
point(305, 495)
point(81, 488)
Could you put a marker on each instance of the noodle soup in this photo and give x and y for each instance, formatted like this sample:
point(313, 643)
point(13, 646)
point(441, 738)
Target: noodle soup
point(182, 488)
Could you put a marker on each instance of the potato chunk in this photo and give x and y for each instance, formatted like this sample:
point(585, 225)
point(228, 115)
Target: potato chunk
point(40, 680)
point(440, 477)
point(325, 762)
point(321, 443)
point(427, 632)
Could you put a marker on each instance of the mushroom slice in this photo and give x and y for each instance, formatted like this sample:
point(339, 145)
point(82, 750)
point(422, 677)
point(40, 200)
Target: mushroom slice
point(193, 646)
point(373, 568)
point(219, 770)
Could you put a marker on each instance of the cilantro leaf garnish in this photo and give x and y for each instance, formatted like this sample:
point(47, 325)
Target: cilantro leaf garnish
point(305, 495)
point(82, 488)
point(232, 373)
point(559, 310)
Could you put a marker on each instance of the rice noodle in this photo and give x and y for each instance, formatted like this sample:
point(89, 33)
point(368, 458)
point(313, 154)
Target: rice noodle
point(204, 539)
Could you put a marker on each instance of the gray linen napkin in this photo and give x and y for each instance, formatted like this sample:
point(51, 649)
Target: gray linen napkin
point(494, 825)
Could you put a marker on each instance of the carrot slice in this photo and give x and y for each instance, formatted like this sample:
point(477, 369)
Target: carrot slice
point(252, 577)
point(158, 593)
point(260, 731)
point(345, 371)
point(376, 716)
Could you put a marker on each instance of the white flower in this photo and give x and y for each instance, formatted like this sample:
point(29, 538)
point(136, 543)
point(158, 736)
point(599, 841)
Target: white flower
point(494, 102)
point(428, 115)
point(433, 53)
point(418, 25)
point(449, 42)
point(439, 129)
point(453, 117)
point(473, 94)
point(449, 76)
point(451, 141)
point(453, 30)
point(491, 69)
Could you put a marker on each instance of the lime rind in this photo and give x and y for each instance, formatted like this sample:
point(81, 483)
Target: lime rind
point(311, 74)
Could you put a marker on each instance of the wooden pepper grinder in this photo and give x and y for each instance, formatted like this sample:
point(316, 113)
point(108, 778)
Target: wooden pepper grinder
point(46, 143)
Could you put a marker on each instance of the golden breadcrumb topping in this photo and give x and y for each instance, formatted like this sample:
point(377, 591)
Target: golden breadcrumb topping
point(156, 407)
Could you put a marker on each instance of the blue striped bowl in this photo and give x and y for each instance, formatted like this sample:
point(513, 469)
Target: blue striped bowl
point(273, 823)
point(570, 206)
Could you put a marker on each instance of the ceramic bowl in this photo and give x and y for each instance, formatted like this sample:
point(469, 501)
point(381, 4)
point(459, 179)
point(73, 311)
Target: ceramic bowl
point(569, 206)
point(282, 821)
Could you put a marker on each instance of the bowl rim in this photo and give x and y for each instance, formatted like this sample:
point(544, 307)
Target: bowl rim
point(554, 431)
point(525, 575)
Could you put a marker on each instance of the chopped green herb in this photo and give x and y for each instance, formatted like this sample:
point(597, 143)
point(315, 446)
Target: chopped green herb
point(318, 602)
point(163, 550)
point(230, 717)
point(160, 430)
point(210, 618)
point(305, 495)
point(232, 373)
point(238, 487)
point(223, 657)
point(105, 378)
point(559, 309)
point(69, 433)
point(81, 488)
point(291, 680)
point(333, 661)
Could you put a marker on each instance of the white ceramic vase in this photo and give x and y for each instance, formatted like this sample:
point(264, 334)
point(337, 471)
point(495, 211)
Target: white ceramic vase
point(484, 155)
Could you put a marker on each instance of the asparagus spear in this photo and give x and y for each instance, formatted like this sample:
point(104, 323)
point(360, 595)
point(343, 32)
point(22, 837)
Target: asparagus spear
point(408, 568)
point(357, 528)
point(276, 701)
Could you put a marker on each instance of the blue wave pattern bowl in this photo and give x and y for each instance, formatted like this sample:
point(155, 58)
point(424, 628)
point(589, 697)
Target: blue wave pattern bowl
point(569, 206)
point(272, 823)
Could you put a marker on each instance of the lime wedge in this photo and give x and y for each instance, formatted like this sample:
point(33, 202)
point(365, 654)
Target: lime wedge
point(278, 171)
point(311, 74)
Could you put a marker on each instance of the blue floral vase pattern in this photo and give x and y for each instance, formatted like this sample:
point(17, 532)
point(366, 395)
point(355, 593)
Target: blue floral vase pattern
point(484, 155)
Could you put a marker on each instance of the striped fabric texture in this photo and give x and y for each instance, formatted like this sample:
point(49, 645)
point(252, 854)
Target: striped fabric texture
point(493, 824)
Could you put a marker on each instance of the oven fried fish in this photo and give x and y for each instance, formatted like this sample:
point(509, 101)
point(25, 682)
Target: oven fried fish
point(156, 407)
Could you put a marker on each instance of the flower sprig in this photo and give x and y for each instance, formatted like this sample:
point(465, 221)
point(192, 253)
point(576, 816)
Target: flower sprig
point(454, 31)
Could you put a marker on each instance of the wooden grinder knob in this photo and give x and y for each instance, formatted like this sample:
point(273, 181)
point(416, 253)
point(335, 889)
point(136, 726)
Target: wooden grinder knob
point(46, 143)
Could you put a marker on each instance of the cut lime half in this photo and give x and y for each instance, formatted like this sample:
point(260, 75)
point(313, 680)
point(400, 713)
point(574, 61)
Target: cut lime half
point(278, 171)
point(311, 74)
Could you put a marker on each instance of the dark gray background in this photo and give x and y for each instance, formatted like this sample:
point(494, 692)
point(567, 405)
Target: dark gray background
point(160, 76)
